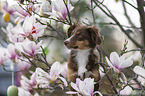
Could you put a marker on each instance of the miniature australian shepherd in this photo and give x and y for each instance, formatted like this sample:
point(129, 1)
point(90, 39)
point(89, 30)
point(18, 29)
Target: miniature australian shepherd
point(82, 41)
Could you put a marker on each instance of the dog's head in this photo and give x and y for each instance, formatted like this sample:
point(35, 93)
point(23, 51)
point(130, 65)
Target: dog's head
point(82, 37)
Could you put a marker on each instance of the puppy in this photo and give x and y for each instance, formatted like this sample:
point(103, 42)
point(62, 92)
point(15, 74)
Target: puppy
point(82, 41)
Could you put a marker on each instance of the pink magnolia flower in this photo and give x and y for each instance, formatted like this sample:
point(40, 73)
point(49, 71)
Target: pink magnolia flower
point(53, 75)
point(2, 55)
point(60, 9)
point(118, 63)
point(28, 47)
point(7, 10)
point(11, 53)
point(23, 66)
point(29, 84)
point(84, 88)
point(13, 32)
point(31, 29)
point(25, 10)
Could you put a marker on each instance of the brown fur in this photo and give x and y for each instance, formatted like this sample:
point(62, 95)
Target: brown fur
point(83, 38)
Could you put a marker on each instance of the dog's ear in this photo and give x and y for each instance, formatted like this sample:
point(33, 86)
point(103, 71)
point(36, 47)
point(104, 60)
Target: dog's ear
point(70, 29)
point(95, 36)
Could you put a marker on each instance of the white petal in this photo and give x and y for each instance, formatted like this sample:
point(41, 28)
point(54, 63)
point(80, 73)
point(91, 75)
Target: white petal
point(126, 91)
point(114, 58)
point(139, 70)
point(90, 85)
point(27, 26)
point(98, 93)
point(71, 92)
point(109, 63)
point(64, 81)
point(128, 62)
point(74, 86)
point(55, 69)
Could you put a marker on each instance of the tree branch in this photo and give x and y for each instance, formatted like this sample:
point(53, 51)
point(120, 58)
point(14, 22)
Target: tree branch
point(140, 4)
point(117, 22)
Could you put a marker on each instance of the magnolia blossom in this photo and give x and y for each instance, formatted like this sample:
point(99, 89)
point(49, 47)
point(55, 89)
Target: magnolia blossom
point(7, 10)
point(84, 88)
point(23, 66)
point(59, 7)
point(45, 8)
point(28, 47)
point(52, 76)
point(21, 10)
point(27, 84)
point(11, 53)
point(13, 32)
point(31, 29)
point(118, 63)
point(2, 55)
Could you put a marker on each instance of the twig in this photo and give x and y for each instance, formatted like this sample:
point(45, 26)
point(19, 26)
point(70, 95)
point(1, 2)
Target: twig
point(117, 22)
point(140, 4)
point(128, 18)
point(70, 23)
point(92, 10)
point(130, 4)
point(121, 25)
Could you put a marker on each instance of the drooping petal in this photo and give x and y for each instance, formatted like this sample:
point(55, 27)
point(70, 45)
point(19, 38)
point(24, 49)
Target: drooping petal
point(74, 86)
point(114, 57)
point(64, 81)
point(139, 70)
point(97, 92)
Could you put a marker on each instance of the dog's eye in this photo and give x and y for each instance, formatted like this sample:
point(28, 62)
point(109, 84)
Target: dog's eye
point(80, 38)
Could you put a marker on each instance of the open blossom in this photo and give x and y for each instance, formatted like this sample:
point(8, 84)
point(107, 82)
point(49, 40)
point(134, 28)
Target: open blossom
point(2, 55)
point(29, 84)
point(11, 52)
point(31, 29)
point(53, 75)
point(23, 66)
point(13, 32)
point(84, 88)
point(28, 47)
point(7, 10)
point(118, 63)
point(60, 9)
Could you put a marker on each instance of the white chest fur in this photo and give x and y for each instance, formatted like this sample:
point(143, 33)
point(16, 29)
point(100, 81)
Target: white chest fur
point(82, 60)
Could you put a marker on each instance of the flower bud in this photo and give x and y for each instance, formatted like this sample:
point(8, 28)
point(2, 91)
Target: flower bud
point(12, 90)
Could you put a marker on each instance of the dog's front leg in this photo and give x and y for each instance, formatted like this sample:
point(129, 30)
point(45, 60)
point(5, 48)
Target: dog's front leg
point(72, 75)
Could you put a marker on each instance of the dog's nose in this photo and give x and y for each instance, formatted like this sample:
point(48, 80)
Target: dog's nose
point(66, 42)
